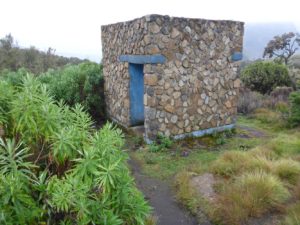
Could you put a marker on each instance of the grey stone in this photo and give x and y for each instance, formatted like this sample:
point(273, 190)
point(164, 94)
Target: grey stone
point(174, 119)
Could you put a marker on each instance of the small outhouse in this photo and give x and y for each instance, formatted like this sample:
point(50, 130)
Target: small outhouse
point(175, 76)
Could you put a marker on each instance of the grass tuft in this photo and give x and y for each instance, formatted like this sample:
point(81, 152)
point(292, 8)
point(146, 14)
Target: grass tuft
point(235, 162)
point(229, 163)
point(287, 169)
point(293, 215)
point(250, 195)
point(185, 193)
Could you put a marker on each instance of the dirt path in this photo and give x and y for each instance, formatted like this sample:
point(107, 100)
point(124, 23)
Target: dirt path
point(251, 132)
point(160, 197)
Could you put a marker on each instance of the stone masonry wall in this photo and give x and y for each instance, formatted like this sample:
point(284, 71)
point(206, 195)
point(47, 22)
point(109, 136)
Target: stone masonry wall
point(120, 39)
point(195, 89)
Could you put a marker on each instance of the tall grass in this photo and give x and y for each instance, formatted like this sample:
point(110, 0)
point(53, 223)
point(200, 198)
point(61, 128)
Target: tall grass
point(250, 195)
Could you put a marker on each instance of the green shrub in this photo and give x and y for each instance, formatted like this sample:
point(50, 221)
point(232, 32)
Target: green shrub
point(62, 172)
point(6, 95)
point(81, 83)
point(294, 119)
point(14, 78)
point(265, 76)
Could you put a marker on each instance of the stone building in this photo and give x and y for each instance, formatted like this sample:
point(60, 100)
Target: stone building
point(175, 76)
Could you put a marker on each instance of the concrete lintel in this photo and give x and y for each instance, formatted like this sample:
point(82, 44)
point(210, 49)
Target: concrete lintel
point(143, 59)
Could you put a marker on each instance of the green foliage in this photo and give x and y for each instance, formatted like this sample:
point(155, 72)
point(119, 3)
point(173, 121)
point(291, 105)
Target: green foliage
point(81, 83)
point(265, 76)
point(14, 78)
point(162, 143)
point(17, 203)
point(6, 95)
point(154, 148)
point(62, 172)
point(294, 119)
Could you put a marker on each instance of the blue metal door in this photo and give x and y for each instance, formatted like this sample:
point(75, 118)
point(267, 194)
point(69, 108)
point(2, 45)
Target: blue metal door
point(136, 94)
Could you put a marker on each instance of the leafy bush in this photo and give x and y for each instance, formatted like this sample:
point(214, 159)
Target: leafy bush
point(14, 78)
point(295, 109)
point(6, 96)
point(81, 83)
point(250, 195)
point(265, 76)
point(61, 171)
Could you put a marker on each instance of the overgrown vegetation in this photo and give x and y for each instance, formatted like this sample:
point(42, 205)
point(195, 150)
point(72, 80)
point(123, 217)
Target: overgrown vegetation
point(295, 109)
point(55, 168)
point(81, 83)
point(73, 84)
point(12, 57)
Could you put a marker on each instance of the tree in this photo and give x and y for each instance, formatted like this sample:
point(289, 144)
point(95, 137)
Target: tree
point(282, 47)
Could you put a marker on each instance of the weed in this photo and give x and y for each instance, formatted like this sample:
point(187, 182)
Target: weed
point(164, 141)
point(137, 140)
point(154, 147)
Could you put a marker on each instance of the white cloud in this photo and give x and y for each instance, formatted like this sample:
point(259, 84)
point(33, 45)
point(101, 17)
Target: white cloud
point(73, 26)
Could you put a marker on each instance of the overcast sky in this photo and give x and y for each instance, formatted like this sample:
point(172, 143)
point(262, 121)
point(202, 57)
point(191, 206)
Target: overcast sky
point(72, 27)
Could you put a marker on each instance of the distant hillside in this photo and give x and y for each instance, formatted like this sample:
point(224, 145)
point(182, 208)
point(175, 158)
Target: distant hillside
point(13, 57)
point(257, 35)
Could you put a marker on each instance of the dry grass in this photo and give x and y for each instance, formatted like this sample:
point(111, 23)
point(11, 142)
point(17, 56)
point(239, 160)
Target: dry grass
point(185, 193)
point(233, 163)
point(267, 116)
point(230, 163)
point(293, 215)
point(151, 220)
point(287, 169)
point(250, 195)
point(264, 152)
